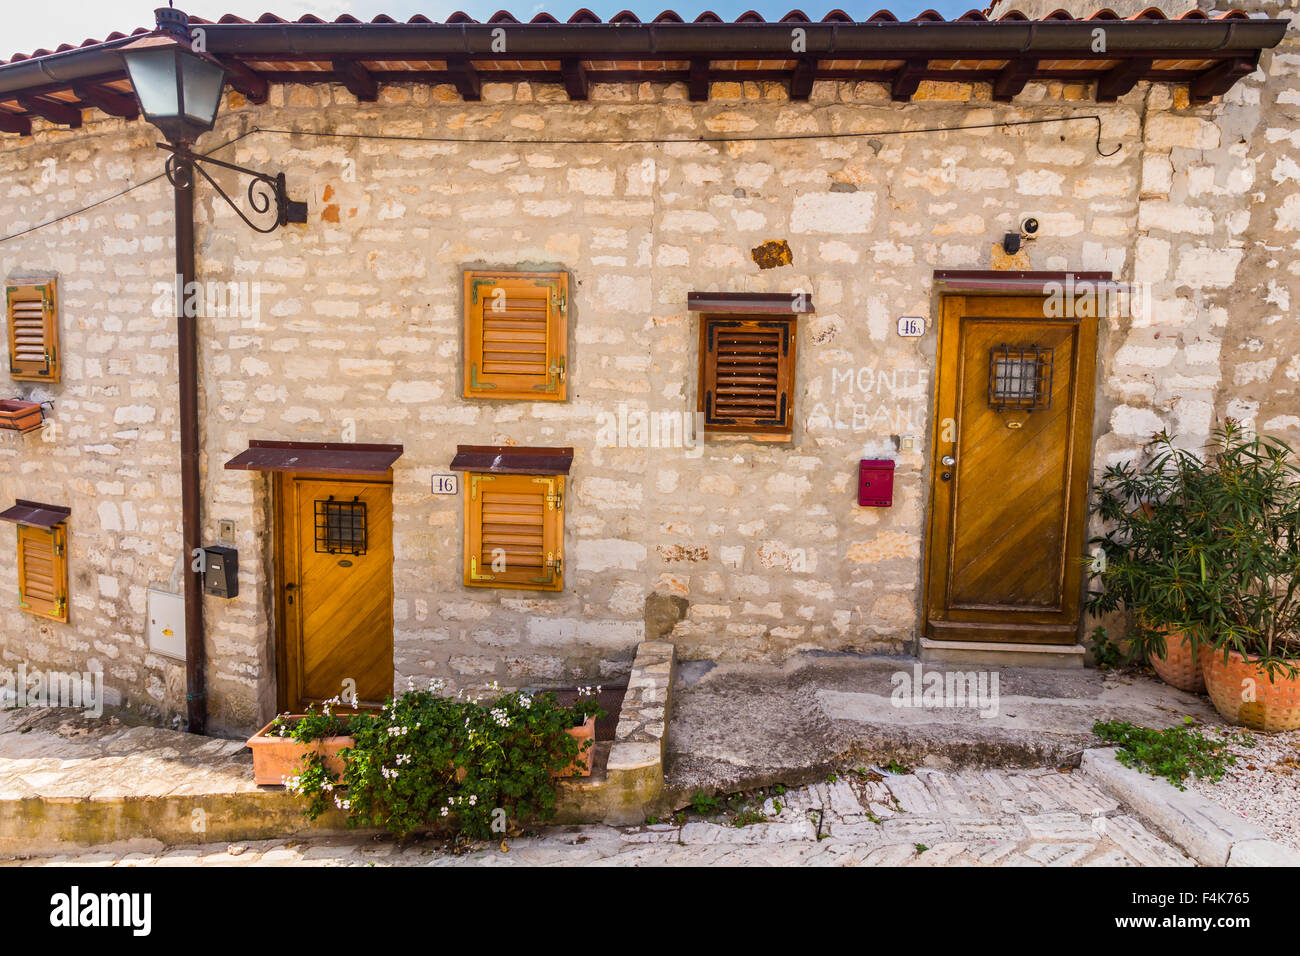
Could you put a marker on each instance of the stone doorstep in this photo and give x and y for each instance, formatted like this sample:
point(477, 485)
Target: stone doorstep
point(628, 788)
point(1204, 830)
point(632, 786)
point(999, 654)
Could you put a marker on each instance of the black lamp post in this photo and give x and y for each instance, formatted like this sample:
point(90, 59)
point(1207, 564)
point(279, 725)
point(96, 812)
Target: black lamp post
point(179, 92)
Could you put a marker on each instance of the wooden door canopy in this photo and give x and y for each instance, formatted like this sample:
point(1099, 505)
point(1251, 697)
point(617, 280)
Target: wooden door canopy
point(511, 460)
point(35, 515)
point(750, 303)
point(320, 458)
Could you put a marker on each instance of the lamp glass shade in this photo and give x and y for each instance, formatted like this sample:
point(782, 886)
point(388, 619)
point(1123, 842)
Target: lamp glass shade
point(201, 82)
point(179, 90)
point(153, 75)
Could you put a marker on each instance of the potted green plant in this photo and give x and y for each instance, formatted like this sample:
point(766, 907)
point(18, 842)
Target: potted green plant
point(470, 765)
point(280, 748)
point(1228, 570)
point(1149, 564)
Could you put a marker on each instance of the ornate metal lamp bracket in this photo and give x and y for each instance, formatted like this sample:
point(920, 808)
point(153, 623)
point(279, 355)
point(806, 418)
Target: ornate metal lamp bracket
point(267, 195)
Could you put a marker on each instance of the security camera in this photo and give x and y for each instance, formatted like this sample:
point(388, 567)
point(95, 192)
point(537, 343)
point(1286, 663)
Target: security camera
point(1029, 228)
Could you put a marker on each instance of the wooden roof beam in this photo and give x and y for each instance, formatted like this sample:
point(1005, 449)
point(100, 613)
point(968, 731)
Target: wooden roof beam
point(467, 79)
point(65, 114)
point(250, 83)
point(907, 79)
point(107, 101)
point(1012, 79)
point(1118, 80)
point(1219, 79)
point(575, 77)
point(13, 123)
point(359, 81)
point(698, 85)
point(801, 80)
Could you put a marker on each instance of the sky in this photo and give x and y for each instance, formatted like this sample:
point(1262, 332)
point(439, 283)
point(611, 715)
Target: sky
point(31, 26)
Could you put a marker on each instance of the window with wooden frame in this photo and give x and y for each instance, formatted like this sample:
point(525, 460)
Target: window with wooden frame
point(42, 558)
point(516, 335)
point(514, 515)
point(514, 531)
point(31, 311)
point(747, 375)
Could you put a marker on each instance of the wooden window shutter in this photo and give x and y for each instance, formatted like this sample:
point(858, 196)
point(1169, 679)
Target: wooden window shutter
point(32, 319)
point(515, 335)
point(747, 375)
point(43, 571)
point(514, 531)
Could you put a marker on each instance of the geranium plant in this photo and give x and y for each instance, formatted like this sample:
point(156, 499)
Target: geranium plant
point(429, 758)
point(1210, 546)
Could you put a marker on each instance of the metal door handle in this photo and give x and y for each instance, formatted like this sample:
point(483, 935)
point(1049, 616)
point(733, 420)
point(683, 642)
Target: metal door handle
point(948, 461)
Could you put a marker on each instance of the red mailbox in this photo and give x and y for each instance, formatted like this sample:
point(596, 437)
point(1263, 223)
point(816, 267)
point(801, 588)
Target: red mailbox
point(875, 482)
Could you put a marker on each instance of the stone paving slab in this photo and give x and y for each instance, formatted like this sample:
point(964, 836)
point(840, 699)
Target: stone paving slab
point(742, 726)
point(953, 821)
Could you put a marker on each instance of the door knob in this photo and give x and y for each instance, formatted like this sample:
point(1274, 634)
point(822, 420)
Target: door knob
point(948, 461)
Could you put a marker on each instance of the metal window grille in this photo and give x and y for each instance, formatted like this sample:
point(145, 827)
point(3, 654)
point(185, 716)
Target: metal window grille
point(1020, 377)
point(340, 526)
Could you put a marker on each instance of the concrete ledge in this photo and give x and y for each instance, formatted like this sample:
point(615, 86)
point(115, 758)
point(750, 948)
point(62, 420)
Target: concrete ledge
point(103, 789)
point(998, 654)
point(1206, 832)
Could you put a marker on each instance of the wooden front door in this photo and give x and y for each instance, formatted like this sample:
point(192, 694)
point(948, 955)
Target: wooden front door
point(336, 589)
point(1009, 473)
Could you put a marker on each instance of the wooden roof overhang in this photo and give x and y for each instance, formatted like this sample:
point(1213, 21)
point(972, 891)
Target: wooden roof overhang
point(1207, 54)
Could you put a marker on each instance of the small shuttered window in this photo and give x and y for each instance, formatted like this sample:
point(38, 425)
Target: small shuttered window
point(747, 375)
point(514, 531)
point(31, 311)
point(515, 335)
point(43, 571)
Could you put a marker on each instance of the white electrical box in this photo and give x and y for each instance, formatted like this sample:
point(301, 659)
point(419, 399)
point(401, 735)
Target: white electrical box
point(166, 627)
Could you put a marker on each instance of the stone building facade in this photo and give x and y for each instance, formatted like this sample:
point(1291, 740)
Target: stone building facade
point(351, 331)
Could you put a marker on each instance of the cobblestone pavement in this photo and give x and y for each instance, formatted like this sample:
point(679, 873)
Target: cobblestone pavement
point(929, 818)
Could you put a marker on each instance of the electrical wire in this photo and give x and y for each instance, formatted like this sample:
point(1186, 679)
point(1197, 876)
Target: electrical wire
point(658, 140)
point(564, 141)
point(117, 195)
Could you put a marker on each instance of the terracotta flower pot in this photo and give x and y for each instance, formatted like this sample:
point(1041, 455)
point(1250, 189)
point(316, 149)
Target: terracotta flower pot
point(1181, 666)
point(19, 415)
point(1243, 694)
point(581, 766)
point(275, 758)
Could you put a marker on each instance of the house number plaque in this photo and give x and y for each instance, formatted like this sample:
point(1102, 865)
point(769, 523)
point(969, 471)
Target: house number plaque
point(911, 326)
point(445, 484)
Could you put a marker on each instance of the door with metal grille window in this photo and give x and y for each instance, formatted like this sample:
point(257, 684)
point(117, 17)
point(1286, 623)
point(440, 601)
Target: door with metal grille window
point(336, 590)
point(1009, 473)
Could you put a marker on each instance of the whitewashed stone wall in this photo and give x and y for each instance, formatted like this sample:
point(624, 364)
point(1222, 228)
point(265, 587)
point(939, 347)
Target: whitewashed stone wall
point(358, 338)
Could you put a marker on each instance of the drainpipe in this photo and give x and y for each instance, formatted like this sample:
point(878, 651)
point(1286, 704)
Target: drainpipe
point(196, 704)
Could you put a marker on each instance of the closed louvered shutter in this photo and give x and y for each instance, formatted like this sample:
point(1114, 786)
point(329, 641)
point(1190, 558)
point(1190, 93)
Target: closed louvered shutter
point(43, 572)
point(32, 314)
point(515, 333)
point(747, 374)
point(514, 528)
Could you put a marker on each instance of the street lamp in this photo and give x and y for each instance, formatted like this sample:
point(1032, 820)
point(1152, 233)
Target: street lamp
point(179, 92)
